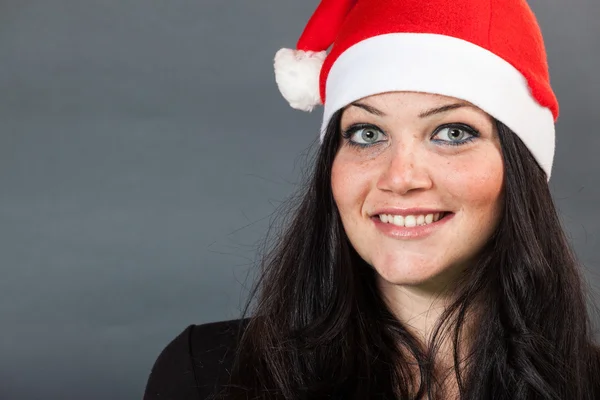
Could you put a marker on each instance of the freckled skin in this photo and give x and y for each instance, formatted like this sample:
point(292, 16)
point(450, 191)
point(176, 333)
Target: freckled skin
point(408, 169)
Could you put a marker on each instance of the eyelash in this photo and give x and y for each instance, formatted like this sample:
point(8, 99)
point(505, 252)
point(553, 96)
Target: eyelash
point(347, 134)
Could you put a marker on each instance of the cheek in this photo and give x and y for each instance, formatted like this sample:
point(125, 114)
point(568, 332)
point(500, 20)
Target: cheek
point(348, 184)
point(477, 184)
point(342, 189)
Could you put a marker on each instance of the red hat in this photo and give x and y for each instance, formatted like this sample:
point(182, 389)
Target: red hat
point(488, 53)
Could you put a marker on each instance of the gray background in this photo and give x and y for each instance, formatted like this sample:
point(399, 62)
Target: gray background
point(144, 147)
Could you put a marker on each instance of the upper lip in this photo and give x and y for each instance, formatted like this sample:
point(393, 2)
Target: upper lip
point(406, 211)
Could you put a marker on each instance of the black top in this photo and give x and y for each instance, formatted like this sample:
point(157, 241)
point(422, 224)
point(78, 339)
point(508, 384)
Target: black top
point(195, 363)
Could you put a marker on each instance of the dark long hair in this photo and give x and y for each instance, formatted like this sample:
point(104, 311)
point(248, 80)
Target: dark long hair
point(318, 328)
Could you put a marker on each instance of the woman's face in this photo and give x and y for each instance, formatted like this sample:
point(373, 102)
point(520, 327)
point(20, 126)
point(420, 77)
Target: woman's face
point(404, 158)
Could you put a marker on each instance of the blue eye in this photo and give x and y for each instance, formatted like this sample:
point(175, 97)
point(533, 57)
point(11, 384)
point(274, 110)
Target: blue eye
point(456, 134)
point(363, 135)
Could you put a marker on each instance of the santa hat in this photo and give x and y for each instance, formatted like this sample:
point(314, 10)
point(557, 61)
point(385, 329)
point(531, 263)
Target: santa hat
point(488, 53)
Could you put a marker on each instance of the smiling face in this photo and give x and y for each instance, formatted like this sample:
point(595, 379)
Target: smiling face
point(404, 155)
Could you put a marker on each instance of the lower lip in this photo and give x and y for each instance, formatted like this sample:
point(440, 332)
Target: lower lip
point(416, 232)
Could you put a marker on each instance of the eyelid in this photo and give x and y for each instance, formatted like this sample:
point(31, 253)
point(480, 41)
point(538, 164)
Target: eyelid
point(467, 128)
point(346, 133)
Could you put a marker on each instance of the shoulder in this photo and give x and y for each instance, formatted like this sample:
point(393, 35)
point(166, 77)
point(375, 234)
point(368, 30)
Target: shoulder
point(195, 363)
point(213, 345)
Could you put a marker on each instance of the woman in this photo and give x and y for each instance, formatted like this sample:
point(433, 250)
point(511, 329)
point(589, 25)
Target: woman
point(425, 259)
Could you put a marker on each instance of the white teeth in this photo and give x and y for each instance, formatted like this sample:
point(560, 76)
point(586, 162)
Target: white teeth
point(398, 220)
point(409, 221)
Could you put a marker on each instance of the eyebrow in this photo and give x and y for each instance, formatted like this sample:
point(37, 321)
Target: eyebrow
point(424, 114)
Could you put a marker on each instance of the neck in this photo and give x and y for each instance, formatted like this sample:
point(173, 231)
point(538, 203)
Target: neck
point(419, 308)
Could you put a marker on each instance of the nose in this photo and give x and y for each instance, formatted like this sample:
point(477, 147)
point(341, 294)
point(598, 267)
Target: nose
point(404, 170)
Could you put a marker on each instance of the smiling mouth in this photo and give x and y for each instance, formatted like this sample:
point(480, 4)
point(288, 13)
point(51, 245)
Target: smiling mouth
point(410, 221)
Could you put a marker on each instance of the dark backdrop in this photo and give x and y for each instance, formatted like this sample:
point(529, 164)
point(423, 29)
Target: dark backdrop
point(144, 146)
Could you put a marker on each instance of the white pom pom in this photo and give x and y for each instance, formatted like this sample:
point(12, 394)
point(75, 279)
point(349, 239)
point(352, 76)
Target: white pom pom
point(297, 76)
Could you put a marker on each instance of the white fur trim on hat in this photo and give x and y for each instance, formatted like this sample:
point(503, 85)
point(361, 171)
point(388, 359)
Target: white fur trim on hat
point(297, 76)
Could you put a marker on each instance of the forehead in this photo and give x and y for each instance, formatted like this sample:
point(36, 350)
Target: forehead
point(411, 99)
point(413, 103)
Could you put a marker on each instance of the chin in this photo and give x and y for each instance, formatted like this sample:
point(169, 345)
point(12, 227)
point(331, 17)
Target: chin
point(405, 278)
point(413, 272)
